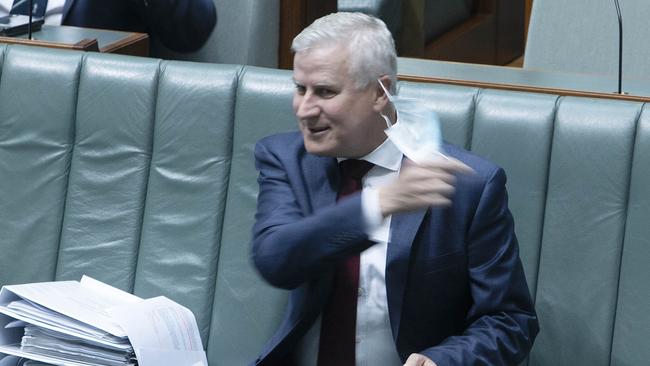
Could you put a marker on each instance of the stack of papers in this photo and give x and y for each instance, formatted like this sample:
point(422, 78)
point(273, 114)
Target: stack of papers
point(90, 323)
point(42, 341)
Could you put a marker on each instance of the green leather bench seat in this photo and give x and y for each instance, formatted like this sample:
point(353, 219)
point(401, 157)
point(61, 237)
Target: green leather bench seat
point(581, 36)
point(139, 172)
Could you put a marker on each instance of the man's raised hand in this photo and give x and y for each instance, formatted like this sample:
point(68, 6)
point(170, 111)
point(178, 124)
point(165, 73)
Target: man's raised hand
point(421, 185)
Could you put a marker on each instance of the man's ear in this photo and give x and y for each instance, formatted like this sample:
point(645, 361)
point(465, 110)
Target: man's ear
point(381, 99)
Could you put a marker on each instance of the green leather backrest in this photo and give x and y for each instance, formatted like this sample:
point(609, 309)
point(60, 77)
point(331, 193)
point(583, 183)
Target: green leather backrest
point(582, 237)
point(108, 169)
point(515, 130)
point(186, 191)
point(139, 172)
point(115, 167)
point(37, 134)
point(246, 310)
point(455, 107)
point(632, 323)
point(581, 36)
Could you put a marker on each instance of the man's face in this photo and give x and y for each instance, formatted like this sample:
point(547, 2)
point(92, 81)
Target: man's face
point(336, 118)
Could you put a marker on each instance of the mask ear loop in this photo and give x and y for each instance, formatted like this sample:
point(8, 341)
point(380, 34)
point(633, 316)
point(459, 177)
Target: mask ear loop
point(390, 99)
point(385, 117)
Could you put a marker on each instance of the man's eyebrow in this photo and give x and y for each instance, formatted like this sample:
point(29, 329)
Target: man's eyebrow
point(318, 84)
point(325, 83)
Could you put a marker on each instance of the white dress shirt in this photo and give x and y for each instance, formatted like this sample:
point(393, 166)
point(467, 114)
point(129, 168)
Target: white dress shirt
point(53, 13)
point(375, 345)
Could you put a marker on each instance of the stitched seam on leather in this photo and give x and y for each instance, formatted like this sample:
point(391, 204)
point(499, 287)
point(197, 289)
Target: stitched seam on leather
point(470, 133)
point(82, 64)
point(627, 214)
point(558, 101)
point(136, 260)
point(241, 71)
point(3, 57)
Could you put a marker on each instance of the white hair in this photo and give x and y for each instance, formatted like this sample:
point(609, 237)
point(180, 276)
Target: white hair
point(369, 42)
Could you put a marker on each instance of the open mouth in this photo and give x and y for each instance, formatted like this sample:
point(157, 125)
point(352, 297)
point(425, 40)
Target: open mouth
point(316, 130)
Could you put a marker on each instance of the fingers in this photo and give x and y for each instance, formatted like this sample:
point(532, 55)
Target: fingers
point(408, 195)
point(448, 164)
point(416, 359)
point(422, 185)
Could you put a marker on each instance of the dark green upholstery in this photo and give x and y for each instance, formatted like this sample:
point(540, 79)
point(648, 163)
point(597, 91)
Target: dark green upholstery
point(583, 230)
point(515, 130)
point(581, 36)
point(455, 108)
point(139, 172)
point(263, 107)
point(631, 327)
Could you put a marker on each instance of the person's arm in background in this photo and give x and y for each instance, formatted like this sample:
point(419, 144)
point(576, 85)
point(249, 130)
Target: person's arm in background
point(181, 25)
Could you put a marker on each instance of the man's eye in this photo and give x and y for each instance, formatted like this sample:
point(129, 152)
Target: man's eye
point(325, 92)
point(300, 89)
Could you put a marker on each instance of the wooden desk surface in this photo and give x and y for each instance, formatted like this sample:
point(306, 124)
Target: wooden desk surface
point(82, 38)
point(514, 78)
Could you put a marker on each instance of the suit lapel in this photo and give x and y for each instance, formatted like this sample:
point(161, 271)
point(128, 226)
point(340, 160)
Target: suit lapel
point(321, 178)
point(403, 229)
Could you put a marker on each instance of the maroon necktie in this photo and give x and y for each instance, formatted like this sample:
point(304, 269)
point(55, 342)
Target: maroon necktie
point(338, 326)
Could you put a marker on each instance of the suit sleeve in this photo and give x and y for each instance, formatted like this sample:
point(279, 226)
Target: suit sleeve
point(181, 25)
point(290, 246)
point(502, 323)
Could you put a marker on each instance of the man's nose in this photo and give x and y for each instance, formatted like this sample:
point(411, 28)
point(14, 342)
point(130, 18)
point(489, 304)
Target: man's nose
point(306, 107)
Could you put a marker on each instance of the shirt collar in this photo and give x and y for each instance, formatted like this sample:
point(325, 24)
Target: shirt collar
point(386, 155)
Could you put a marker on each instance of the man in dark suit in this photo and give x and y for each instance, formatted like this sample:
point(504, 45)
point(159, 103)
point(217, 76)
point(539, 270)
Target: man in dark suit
point(181, 25)
point(421, 265)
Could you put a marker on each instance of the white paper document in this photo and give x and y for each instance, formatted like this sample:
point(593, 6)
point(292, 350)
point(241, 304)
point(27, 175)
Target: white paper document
point(90, 323)
point(162, 333)
point(85, 301)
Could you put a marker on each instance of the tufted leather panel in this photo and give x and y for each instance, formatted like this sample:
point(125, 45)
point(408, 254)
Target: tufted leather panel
point(507, 122)
point(37, 110)
point(454, 105)
point(186, 190)
point(583, 231)
point(581, 36)
point(91, 191)
point(109, 169)
point(632, 322)
point(263, 108)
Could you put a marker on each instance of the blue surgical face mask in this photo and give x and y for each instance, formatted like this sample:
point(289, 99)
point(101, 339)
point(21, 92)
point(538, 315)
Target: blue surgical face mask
point(417, 130)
